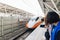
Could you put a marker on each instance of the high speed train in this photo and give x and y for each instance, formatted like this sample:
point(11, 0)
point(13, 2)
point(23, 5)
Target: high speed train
point(34, 22)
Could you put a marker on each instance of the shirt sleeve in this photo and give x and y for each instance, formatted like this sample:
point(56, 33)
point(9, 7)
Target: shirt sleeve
point(58, 35)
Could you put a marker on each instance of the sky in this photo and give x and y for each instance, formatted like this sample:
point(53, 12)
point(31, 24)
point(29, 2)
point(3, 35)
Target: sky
point(31, 6)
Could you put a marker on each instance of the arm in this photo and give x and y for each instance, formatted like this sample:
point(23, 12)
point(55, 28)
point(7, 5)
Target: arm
point(58, 35)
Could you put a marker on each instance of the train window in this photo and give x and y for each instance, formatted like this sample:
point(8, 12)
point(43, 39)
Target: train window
point(36, 18)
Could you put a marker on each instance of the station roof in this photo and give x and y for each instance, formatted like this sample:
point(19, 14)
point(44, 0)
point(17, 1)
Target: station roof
point(31, 6)
point(4, 8)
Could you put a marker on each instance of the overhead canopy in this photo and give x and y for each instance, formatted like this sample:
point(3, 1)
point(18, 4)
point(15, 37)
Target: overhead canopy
point(31, 6)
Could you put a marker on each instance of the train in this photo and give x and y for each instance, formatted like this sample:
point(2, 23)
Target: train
point(34, 22)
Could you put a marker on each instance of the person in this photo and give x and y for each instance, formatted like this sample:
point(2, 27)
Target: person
point(52, 18)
